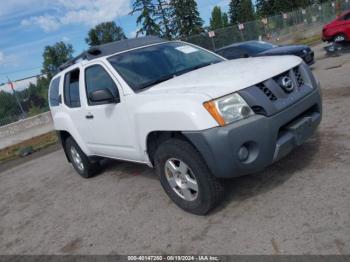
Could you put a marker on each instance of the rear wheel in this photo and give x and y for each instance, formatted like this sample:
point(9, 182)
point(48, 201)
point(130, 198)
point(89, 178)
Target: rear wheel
point(79, 160)
point(186, 178)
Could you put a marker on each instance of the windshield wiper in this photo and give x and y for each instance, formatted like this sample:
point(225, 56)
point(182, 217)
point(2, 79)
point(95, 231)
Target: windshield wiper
point(192, 68)
point(157, 81)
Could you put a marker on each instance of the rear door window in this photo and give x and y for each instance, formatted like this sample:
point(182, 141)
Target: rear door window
point(71, 89)
point(54, 96)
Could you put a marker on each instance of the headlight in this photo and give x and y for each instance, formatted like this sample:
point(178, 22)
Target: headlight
point(228, 109)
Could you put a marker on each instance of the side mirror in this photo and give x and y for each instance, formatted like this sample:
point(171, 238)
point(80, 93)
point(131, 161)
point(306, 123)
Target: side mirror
point(103, 96)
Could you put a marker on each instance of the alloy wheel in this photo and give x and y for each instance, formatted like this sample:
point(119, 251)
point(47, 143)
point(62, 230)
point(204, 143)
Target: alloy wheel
point(181, 179)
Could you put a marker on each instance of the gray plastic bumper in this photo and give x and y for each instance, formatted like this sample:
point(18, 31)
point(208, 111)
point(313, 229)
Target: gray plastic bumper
point(266, 139)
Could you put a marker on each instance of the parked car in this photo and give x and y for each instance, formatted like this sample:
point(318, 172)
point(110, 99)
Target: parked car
point(260, 48)
point(338, 30)
point(192, 115)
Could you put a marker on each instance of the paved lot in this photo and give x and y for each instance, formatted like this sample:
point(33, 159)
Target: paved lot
point(300, 205)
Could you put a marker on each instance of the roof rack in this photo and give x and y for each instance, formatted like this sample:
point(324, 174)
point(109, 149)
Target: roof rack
point(112, 48)
point(71, 62)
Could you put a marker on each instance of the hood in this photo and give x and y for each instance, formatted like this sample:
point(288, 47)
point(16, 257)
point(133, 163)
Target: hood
point(227, 77)
point(285, 50)
point(333, 23)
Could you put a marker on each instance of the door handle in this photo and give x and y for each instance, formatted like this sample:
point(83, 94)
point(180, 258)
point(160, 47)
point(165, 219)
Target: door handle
point(89, 116)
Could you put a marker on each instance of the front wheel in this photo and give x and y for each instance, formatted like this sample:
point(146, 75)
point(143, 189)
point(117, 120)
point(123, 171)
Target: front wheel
point(79, 160)
point(186, 178)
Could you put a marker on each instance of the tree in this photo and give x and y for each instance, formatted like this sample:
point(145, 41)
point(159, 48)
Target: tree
point(216, 20)
point(163, 15)
point(185, 18)
point(273, 7)
point(241, 11)
point(104, 33)
point(247, 12)
point(225, 21)
point(54, 56)
point(9, 110)
point(37, 95)
point(233, 12)
point(146, 19)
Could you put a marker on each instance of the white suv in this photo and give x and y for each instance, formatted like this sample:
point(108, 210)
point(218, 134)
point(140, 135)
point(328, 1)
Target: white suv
point(186, 111)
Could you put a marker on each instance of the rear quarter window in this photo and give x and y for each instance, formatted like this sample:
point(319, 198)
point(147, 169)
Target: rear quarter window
point(54, 96)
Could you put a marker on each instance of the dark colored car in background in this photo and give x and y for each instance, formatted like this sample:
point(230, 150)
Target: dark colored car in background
point(338, 30)
point(259, 48)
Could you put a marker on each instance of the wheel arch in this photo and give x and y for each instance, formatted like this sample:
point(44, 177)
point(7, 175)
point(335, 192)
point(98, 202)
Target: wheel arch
point(156, 138)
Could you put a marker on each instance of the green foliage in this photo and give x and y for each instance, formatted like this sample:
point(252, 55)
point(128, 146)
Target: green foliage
point(225, 21)
point(35, 99)
point(241, 11)
point(186, 20)
point(233, 12)
point(54, 56)
point(163, 16)
point(104, 33)
point(34, 110)
point(146, 19)
point(218, 19)
point(247, 11)
point(273, 7)
point(9, 109)
point(38, 94)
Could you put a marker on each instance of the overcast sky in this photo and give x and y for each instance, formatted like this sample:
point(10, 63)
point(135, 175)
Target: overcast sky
point(27, 26)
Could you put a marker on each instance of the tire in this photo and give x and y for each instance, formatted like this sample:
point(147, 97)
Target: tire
point(177, 155)
point(340, 38)
point(81, 163)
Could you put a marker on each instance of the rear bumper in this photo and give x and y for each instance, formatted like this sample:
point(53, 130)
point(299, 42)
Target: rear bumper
point(267, 139)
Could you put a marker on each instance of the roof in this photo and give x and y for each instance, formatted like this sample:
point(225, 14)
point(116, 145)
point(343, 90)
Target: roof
point(236, 44)
point(112, 48)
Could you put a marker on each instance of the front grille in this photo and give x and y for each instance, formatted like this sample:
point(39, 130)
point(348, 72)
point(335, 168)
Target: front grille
point(285, 82)
point(298, 76)
point(277, 93)
point(267, 92)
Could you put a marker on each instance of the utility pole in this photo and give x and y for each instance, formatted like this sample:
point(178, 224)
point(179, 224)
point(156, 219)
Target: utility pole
point(15, 95)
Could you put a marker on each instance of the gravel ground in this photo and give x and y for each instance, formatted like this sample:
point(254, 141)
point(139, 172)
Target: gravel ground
point(300, 205)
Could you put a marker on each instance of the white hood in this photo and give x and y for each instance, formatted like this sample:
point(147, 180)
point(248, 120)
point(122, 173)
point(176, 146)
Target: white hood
point(227, 77)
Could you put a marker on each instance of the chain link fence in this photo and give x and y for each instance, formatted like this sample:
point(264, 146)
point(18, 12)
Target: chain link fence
point(17, 104)
point(283, 28)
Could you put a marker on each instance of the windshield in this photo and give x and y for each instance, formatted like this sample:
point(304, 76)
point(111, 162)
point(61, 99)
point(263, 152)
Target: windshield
point(142, 68)
point(258, 47)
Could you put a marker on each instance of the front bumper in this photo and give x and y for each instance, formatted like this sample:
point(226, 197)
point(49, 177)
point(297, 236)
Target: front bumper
point(327, 38)
point(267, 139)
